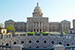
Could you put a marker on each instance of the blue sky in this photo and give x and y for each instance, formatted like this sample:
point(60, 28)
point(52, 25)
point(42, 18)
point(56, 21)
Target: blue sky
point(19, 10)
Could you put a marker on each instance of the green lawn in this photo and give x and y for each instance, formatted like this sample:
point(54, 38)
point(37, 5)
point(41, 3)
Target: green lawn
point(37, 32)
point(30, 32)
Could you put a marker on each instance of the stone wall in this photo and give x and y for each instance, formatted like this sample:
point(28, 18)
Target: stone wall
point(38, 41)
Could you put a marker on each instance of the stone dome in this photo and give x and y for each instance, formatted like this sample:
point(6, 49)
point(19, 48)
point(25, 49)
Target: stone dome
point(37, 10)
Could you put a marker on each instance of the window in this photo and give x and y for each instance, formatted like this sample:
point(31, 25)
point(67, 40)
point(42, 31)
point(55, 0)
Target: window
point(37, 30)
point(34, 30)
point(69, 37)
point(22, 42)
point(74, 37)
point(7, 44)
point(44, 41)
point(40, 30)
point(52, 42)
point(68, 45)
point(60, 43)
point(30, 41)
point(14, 43)
point(21, 29)
point(70, 31)
point(37, 41)
point(66, 36)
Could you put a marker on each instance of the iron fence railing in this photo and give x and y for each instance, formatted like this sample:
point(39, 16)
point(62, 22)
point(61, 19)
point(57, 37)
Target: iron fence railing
point(37, 48)
point(70, 47)
point(4, 47)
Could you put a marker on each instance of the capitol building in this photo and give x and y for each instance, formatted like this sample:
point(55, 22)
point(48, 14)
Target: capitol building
point(38, 23)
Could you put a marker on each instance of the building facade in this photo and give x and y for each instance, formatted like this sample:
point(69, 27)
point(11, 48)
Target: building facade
point(65, 26)
point(54, 27)
point(74, 24)
point(38, 23)
point(19, 26)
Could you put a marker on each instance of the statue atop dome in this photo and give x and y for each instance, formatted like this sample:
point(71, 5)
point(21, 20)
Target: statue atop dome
point(37, 4)
point(37, 11)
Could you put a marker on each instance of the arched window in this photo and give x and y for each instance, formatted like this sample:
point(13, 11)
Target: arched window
point(40, 30)
point(7, 44)
point(68, 45)
point(30, 41)
point(22, 42)
point(34, 30)
point(37, 30)
point(52, 42)
point(14, 43)
point(37, 41)
point(44, 41)
point(60, 43)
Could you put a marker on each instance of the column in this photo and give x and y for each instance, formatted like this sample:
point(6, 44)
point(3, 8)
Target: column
point(39, 30)
point(36, 30)
point(39, 24)
point(33, 27)
point(41, 27)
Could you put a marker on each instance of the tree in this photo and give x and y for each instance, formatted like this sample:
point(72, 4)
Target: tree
point(10, 28)
point(0, 26)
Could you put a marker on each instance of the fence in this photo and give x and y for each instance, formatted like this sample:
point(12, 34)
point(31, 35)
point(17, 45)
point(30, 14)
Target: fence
point(4, 47)
point(70, 47)
point(20, 47)
point(37, 48)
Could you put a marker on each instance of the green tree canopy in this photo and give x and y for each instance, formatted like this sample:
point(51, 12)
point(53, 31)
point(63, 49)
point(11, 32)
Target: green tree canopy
point(10, 28)
point(0, 26)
